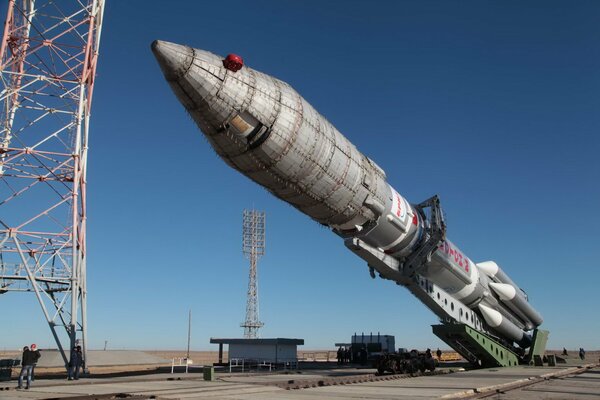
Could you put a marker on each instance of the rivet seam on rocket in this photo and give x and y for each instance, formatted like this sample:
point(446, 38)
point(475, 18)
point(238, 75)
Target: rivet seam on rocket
point(353, 189)
point(340, 209)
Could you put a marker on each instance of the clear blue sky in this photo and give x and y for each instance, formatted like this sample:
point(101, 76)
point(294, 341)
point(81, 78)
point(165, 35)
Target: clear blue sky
point(492, 105)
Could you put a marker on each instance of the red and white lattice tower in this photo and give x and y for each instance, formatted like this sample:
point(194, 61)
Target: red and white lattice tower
point(253, 246)
point(49, 53)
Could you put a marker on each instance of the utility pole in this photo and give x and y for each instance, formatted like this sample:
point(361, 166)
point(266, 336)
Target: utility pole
point(189, 333)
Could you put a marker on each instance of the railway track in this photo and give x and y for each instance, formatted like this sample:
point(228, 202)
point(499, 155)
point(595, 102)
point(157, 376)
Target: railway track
point(295, 384)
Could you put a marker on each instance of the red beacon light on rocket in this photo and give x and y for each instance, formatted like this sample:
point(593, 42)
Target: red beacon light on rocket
point(233, 62)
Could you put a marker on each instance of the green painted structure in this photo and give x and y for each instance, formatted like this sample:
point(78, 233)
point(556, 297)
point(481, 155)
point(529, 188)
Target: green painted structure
point(208, 373)
point(538, 348)
point(483, 350)
point(476, 347)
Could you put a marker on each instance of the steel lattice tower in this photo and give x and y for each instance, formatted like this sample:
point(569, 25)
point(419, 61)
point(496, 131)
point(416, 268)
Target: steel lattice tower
point(48, 59)
point(253, 245)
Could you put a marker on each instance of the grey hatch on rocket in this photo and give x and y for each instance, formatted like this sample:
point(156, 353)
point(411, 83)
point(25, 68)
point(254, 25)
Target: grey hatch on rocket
point(263, 128)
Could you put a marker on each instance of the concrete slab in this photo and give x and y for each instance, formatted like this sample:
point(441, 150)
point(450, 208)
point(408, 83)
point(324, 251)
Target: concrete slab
point(262, 386)
point(583, 386)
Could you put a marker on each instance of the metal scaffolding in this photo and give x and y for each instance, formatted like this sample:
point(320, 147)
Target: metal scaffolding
point(253, 246)
point(49, 53)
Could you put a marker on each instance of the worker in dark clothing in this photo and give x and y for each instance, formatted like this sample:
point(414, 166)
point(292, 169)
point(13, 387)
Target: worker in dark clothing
point(582, 353)
point(34, 350)
point(565, 353)
point(348, 354)
point(28, 359)
point(363, 356)
point(340, 355)
point(75, 363)
point(438, 353)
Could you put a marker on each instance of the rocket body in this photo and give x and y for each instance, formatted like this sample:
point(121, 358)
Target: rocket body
point(263, 128)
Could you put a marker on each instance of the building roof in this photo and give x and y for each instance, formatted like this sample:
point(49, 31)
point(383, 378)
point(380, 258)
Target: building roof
point(273, 341)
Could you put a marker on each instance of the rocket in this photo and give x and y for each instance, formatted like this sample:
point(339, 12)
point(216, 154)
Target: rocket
point(263, 128)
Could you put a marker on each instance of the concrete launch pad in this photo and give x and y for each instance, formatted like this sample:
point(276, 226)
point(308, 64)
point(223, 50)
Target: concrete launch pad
point(582, 382)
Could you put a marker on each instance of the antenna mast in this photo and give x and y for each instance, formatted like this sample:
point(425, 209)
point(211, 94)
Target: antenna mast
point(253, 246)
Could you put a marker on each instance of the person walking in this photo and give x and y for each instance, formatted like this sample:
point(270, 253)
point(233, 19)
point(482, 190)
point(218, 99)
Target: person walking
point(75, 362)
point(36, 356)
point(438, 353)
point(582, 353)
point(27, 361)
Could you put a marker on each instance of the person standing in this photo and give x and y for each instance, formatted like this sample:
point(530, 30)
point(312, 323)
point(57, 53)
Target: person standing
point(438, 353)
point(582, 353)
point(27, 361)
point(36, 356)
point(75, 362)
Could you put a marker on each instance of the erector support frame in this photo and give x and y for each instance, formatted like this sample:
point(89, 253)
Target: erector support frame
point(48, 58)
point(434, 233)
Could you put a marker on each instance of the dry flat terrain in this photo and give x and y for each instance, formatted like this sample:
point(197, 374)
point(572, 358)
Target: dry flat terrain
point(210, 357)
point(198, 357)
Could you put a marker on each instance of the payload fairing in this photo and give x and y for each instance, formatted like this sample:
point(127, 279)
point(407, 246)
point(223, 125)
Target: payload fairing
point(263, 128)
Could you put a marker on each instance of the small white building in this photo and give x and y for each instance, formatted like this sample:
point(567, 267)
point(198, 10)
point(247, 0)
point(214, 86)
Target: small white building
point(278, 350)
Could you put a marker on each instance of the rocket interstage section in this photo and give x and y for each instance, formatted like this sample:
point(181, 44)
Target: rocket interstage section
point(263, 128)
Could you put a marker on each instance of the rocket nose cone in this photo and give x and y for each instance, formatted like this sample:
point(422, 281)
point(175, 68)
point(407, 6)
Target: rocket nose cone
point(503, 290)
point(174, 59)
point(491, 316)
